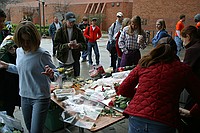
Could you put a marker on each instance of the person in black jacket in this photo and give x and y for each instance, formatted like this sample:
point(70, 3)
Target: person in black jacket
point(191, 40)
point(3, 32)
point(69, 41)
point(9, 96)
point(83, 26)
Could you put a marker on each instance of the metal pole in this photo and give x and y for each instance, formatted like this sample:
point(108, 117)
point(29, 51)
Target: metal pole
point(39, 16)
point(43, 19)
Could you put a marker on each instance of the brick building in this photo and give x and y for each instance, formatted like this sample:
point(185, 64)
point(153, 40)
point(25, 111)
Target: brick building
point(169, 10)
point(105, 10)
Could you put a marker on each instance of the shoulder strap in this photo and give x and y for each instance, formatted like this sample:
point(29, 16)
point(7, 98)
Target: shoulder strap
point(113, 28)
point(88, 30)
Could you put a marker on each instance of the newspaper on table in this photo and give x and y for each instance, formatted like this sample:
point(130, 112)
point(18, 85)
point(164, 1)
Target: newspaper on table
point(81, 111)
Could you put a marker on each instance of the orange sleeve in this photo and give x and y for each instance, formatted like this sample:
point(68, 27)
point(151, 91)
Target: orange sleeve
point(179, 26)
point(198, 25)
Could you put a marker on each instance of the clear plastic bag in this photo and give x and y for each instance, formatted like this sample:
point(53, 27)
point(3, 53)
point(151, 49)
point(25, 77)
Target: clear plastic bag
point(10, 123)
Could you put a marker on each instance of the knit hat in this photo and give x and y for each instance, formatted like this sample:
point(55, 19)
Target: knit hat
point(197, 17)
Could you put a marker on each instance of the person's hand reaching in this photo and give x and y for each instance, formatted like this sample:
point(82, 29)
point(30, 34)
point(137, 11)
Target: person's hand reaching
point(184, 112)
point(48, 72)
point(3, 64)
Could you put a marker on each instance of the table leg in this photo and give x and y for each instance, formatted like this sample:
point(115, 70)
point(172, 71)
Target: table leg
point(68, 131)
point(81, 130)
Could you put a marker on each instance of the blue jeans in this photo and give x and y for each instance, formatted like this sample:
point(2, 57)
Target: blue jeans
point(179, 44)
point(96, 52)
point(142, 125)
point(34, 113)
point(84, 54)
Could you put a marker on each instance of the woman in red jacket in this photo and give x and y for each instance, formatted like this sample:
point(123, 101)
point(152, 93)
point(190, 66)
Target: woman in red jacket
point(160, 77)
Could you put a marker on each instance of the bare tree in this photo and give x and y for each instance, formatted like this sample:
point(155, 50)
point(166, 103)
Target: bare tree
point(61, 8)
point(3, 3)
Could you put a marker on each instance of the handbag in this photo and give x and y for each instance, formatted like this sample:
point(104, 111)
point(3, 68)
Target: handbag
point(111, 45)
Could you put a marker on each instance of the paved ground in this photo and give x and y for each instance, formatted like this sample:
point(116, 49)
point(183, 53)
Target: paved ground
point(120, 127)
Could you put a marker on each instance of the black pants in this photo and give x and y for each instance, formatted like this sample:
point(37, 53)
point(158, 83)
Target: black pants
point(113, 58)
point(54, 49)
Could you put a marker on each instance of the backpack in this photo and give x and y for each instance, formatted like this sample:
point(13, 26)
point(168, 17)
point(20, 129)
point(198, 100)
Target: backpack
point(111, 44)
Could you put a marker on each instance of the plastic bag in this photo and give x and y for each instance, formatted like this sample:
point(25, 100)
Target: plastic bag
point(10, 122)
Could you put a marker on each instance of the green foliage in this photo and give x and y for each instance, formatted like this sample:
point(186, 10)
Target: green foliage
point(43, 31)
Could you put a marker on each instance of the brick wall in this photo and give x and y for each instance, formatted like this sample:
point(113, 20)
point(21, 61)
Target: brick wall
point(111, 11)
point(148, 10)
point(169, 10)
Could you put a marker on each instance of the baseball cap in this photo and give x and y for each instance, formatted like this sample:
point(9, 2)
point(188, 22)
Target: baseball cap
point(119, 14)
point(85, 18)
point(94, 19)
point(70, 16)
point(197, 17)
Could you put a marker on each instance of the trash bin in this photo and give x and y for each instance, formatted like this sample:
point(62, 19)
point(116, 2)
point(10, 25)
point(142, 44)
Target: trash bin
point(53, 122)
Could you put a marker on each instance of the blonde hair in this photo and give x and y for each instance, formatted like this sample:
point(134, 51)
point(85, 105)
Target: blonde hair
point(29, 29)
point(162, 23)
point(125, 22)
point(137, 21)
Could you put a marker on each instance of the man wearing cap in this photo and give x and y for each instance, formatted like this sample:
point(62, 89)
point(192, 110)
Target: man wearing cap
point(197, 20)
point(69, 41)
point(112, 33)
point(9, 96)
point(83, 26)
point(93, 33)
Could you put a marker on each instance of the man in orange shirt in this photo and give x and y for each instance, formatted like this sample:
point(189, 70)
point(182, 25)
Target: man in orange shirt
point(197, 20)
point(93, 33)
point(179, 27)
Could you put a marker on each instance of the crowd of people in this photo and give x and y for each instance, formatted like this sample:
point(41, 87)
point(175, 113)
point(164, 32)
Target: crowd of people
point(153, 86)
